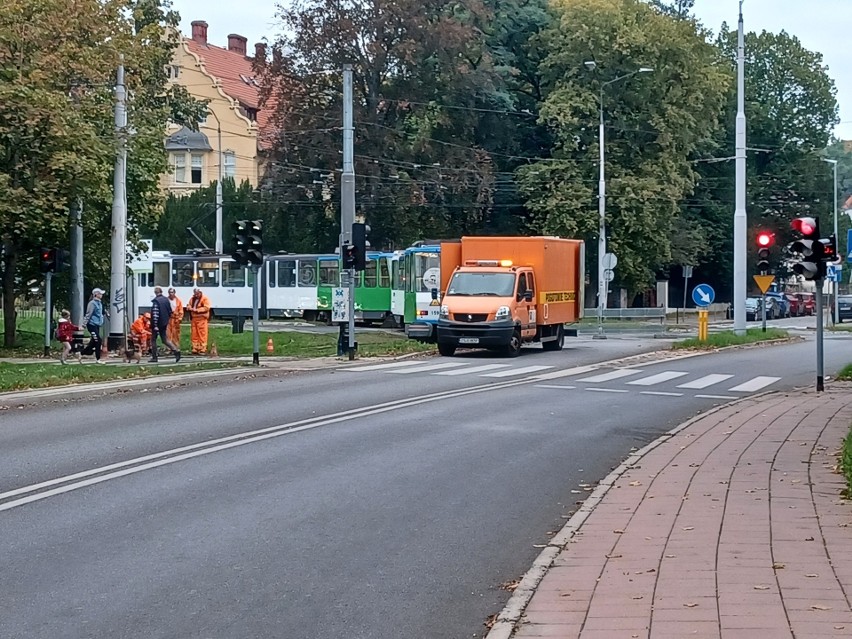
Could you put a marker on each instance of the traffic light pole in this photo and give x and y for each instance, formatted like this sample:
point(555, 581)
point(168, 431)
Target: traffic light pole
point(255, 315)
point(48, 315)
point(763, 306)
point(347, 198)
point(820, 386)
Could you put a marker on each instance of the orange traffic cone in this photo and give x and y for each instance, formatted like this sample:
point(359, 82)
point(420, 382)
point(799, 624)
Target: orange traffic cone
point(270, 347)
point(214, 352)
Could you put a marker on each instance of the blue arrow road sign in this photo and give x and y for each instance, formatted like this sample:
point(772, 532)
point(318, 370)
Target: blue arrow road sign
point(703, 295)
point(849, 244)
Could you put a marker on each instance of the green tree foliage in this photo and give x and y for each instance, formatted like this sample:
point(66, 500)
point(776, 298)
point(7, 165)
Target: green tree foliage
point(58, 60)
point(791, 110)
point(655, 123)
point(428, 100)
point(674, 8)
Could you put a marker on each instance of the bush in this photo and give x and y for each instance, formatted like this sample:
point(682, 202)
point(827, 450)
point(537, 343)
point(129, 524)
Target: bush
point(846, 462)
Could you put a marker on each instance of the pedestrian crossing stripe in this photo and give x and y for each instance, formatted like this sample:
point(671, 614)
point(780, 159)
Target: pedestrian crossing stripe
point(600, 376)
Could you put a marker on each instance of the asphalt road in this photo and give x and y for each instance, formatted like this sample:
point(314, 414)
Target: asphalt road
point(368, 502)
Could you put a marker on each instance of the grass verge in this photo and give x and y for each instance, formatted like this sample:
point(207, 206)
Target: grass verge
point(15, 377)
point(729, 338)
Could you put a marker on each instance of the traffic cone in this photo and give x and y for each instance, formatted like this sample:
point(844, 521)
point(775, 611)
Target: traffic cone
point(270, 347)
point(214, 352)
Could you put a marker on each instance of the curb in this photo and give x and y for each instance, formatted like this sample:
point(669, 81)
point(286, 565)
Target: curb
point(508, 618)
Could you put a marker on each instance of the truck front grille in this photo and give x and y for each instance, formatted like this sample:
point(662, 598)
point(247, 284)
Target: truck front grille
point(470, 317)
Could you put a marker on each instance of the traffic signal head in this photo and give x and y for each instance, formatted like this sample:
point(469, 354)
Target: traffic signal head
point(808, 249)
point(47, 260)
point(248, 242)
point(829, 248)
point(60, 260)
point(765, 239)
point(350, 255)
point(359, 241)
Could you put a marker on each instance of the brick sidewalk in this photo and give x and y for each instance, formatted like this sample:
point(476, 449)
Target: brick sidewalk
point(730, 528)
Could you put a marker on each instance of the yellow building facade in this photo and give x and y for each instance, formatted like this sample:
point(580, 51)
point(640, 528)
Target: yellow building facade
point(232, 134)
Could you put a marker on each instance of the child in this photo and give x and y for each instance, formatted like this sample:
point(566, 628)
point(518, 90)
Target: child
point(65, 333)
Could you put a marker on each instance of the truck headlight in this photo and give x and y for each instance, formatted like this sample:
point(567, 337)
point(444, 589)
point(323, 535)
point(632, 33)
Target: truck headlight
point(444, 313)
point(502, 312)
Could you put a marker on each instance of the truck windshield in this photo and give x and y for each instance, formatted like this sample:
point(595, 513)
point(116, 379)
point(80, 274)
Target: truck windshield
point(482, 284)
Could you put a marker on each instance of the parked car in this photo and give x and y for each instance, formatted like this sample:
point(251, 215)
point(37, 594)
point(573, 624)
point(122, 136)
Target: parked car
point(782, 306)
point(796, 308)
point(754, 309)
point(844, 307)
point(807, 302)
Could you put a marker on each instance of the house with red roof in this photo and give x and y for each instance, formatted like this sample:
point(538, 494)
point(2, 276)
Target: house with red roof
point(237, 129)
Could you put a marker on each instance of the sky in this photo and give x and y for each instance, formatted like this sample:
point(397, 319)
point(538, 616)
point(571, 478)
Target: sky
point(821, 25)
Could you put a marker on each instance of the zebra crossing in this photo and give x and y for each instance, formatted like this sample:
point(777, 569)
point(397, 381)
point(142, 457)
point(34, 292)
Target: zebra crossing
point(590, 378)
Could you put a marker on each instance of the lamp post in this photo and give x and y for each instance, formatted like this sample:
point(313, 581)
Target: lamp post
point(602, 283)
point(219, 244)
point(836, 239)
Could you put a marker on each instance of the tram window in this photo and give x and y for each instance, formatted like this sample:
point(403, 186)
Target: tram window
point(287, 273)
point(370, 274)
point(250, 277)
point(270, 273)
point(182, 273)
point(329, 273)
point(396, 275)
point(307, 273)
point(160, 274)
point(208, 273)
point(384, 275)
point(233, 274)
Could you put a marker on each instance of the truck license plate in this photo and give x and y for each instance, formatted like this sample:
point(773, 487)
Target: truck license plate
point(468, 340)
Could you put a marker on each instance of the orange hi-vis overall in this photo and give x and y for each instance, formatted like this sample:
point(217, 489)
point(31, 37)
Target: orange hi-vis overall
point(199, 308)
point(173, 329)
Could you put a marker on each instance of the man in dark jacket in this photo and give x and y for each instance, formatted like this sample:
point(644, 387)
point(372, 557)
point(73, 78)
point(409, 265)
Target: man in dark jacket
point(161, 313)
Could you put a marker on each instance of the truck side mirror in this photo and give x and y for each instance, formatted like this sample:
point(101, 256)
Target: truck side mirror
point(528, 296)
point(434, 293)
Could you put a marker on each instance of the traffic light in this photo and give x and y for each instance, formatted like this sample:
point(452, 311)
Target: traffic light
point(47, 260)
point(829, 248)
point(248, 242)
point(359, 241)
point(350, 256)
point(809, 249)
point(60, 259)
point(765, 240)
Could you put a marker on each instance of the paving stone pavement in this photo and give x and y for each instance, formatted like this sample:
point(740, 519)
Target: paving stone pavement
point(731, 527)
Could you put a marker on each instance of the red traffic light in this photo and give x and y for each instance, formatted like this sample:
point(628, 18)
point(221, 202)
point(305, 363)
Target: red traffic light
point(807, 226)
point(765, 239)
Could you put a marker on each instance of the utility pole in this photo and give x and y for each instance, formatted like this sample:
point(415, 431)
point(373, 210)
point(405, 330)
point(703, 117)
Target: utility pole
point(48, 312)
point(118, 244)
point(347, 198)
point(219, 246)
point(255, 314)
point(77, 283)
point(740, 228)
point(836, 279)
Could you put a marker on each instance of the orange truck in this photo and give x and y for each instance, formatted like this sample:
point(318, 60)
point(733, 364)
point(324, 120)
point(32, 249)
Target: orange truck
point(502, 292)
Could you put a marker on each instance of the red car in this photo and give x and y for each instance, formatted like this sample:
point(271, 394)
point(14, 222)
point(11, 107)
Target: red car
point(807, 303)
point(796, 307)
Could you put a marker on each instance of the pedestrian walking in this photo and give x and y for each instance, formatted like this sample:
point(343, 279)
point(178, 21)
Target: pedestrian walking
point(173, 332)
point(65, 334)
point(199, 309)
point(94, 320)
point(161, 313)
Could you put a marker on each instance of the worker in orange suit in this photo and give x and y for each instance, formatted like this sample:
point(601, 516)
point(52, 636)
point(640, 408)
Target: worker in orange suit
point(198, 308)
point(173, 330)
point(140, 333)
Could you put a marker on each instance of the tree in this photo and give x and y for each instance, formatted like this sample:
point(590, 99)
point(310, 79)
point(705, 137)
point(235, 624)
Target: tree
point(655, 123)
point(674, 8)
point(57, 140)
point(423, 78)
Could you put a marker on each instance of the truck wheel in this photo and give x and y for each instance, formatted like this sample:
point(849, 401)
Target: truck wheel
point(513, 348)
point(447, 350)
point(558, 343)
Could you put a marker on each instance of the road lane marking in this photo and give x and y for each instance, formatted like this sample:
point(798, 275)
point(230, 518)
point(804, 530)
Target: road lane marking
point(704, 382)
point(616, 374)
point(378, 367)
point(555, 386)
point(578, 370)
point(608, 390)
point(427, 367)
point(517, 371)
point(717, 396)
point(754, 384)
point(659, 378)
point(664, 394)
point(474, 369)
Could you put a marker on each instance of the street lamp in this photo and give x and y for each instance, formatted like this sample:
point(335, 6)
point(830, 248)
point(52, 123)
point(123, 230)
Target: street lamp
point(602, 283)
point(836, 239)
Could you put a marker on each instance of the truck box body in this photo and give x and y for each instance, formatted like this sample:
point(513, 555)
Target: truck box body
point(550, 270)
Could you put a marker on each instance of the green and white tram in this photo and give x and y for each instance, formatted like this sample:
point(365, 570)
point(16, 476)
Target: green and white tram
point(421, 279)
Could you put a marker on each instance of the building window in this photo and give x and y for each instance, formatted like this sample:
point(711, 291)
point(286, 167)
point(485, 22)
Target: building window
point(173, 71)
point(180, 167)
point(230, 164)
point(197, 164)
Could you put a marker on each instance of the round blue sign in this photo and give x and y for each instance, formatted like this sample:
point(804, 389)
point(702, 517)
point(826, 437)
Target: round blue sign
point(703, 295)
